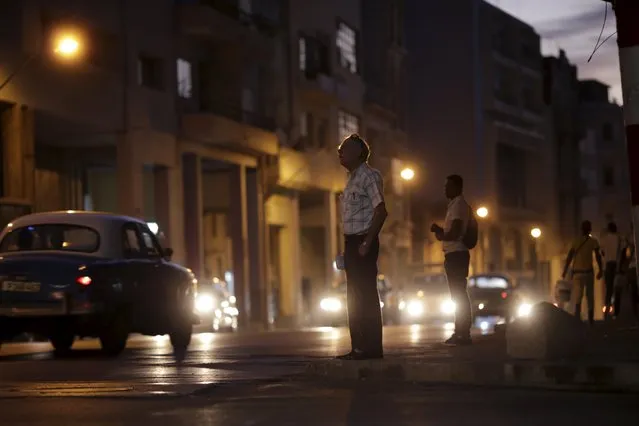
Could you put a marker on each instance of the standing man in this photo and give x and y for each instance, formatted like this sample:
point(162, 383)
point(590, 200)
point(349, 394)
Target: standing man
point(363, 215)
point(583, 274)
point(612, 246)
point(456, 257)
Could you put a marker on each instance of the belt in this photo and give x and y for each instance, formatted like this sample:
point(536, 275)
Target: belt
point(583, 271)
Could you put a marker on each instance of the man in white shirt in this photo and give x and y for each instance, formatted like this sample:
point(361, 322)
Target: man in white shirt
point(363, 215)
point(456, 257)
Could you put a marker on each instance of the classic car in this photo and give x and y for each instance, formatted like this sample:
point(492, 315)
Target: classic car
point(86, 274)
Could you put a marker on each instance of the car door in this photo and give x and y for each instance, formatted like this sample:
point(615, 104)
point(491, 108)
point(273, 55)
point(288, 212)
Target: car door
point(162, 276)
point(139, 270)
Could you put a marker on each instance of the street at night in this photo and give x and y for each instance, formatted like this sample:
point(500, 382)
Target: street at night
point(241, 379)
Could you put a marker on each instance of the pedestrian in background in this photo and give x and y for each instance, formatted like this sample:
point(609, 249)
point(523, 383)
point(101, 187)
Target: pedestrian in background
point(579, 264)
point(612, 246)
point(457, 256)
point(363, 215)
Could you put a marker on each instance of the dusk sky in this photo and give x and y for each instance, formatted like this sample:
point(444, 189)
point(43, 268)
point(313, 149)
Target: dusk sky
point(573, 25)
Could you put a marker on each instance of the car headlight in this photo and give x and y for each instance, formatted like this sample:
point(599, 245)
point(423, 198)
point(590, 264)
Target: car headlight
point(415, 308)
point(330, 304)
point(448, 307)
point(232, 311)
point(524, 310)
point(204, 303)
point(402, 305)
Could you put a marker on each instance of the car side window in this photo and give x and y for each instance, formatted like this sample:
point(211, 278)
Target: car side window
point(151, 246)
point(131, 244)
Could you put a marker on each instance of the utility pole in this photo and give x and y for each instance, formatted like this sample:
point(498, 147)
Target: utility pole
point(627, 12)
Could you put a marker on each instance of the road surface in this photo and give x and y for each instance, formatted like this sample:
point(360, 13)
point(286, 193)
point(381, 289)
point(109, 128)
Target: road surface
point(243, 379)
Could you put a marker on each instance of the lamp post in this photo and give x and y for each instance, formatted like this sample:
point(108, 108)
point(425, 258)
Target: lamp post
point(535, 233)
point(482, 213)
point(65, 44)
point(408, 174)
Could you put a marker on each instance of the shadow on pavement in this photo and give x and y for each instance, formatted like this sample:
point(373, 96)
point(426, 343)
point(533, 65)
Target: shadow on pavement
point(369, 406)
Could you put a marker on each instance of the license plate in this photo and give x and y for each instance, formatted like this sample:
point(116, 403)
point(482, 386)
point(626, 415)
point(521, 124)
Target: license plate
point(21, 286)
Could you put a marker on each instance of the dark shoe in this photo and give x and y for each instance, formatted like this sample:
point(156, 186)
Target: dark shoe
point(458, 340)
point(359, 356)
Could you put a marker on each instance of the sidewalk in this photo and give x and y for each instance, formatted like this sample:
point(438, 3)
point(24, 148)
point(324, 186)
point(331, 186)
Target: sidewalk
point(610, 362)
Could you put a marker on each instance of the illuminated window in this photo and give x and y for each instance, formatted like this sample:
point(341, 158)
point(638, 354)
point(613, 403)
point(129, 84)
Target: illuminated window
point(347, 124)
point(184, 79)
point(346, 42)
point(302, 53)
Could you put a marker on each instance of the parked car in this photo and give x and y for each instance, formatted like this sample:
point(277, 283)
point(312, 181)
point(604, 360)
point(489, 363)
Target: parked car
point(84, 274)
point(495, 295)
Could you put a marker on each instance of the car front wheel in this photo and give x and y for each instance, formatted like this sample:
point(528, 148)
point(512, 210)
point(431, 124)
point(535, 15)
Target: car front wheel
point(62, 342)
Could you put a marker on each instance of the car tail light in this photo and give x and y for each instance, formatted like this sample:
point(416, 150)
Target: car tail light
point(84, 280)
point(504, 295)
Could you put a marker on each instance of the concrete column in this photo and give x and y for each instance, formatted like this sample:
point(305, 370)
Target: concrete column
point(17, 124)
point(130, 178)
point(331, 242)
point(256, 216)
point(193, 210)
point(290, 267)
point(238, 224)
point(168, 208)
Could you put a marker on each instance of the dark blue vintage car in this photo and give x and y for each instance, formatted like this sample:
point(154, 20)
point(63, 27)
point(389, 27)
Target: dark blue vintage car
point(83, 274)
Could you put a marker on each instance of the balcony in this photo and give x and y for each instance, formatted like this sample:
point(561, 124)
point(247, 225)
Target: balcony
point(305, 170)
point(224, 21)
point(229, 126)
point(318, 87)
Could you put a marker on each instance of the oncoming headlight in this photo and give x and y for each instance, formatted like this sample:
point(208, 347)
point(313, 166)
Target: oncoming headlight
point(204, 303)
point(415, 308)
point(448, 307)
point(330, 304)
point(524, 310)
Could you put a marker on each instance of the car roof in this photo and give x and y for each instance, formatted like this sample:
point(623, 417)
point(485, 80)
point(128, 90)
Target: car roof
point(73, 217)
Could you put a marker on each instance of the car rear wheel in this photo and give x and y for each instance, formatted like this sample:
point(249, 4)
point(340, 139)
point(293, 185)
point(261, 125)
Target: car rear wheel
point(62, 342)
point(115, 335)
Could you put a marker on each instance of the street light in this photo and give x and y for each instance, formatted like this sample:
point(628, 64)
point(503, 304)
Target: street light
point(407, 174)
point(67, 44)
point(535, 232)
point(482, 212)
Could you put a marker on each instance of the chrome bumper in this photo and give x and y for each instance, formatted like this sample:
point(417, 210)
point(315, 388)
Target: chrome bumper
point(45, 310)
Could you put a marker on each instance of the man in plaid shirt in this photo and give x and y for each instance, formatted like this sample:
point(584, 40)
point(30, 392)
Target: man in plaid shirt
point(363, 215)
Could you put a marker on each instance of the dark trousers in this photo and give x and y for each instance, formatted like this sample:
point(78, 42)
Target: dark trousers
point(609, 278)
point(456, 265)
point(364, 312)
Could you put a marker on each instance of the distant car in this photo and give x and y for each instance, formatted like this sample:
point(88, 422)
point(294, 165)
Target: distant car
point(83, 274)
point(332, 309)
point(427, 298)
point(216, 309)
point(494, 295)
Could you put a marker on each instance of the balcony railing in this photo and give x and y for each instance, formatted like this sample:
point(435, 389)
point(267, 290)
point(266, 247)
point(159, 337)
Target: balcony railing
point(232, 10)
point(235, 112)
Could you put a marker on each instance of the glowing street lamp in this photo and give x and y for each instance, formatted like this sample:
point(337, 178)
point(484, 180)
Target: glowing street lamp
point(482, 212)
point(407, 174)
point(67, 45)
point(535, 232)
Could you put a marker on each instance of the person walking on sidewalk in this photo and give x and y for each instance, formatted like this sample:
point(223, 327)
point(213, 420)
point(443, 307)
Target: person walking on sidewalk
point(457, 256)
point(582, 272)
point(363, 215)
point(612, 247)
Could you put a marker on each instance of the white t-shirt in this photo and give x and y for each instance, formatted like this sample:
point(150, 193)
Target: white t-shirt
point(611, 244)
point(458, 208)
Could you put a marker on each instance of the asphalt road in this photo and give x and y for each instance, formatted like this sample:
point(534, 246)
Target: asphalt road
point(243, 379)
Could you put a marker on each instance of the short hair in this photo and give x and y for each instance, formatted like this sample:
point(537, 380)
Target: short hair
point(586, 226)
point(366, 149)
point(612, 227)
point(457, 180)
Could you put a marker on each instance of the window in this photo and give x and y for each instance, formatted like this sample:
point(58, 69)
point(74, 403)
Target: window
point(511, 176)
point(151, 72)
point(303, 124)
point(51, 237)
point(606, 132)
point(302, 53)
point(131, 244)
point(151, 246)
point(184, 79)
point(347, 124)
point(609, 176)
point(322, 133)
point(346, 42)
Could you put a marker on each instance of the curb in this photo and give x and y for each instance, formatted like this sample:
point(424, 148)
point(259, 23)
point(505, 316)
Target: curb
point(593, 377)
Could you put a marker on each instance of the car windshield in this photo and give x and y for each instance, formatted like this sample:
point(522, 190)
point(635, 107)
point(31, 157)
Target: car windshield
point(435, 283)
point(489, 282)
point(62, 237)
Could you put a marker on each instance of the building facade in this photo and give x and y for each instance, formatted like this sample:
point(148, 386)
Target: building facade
point(480, 113)
point(217, 121)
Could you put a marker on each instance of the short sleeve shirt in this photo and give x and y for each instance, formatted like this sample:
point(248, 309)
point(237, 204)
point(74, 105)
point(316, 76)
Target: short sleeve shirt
point(583, 249)
point(364, 191)
point(458, 209)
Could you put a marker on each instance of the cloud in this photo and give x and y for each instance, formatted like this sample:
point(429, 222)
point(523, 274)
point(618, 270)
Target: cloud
point(583, 23)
